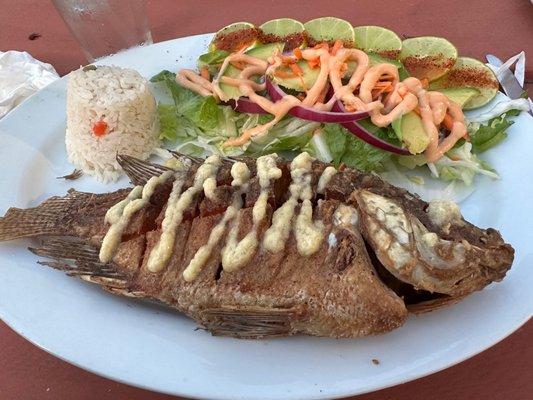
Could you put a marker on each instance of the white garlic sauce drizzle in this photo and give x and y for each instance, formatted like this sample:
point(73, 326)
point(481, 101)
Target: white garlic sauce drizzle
point(326, 176)
point(238, 253)
point(241, 177)
point(308, 234)
point(119, 215)
point(162, 251)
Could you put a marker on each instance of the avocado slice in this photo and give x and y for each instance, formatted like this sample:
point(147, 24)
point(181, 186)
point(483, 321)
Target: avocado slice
point(262, 52)
point(297, 83)
point(410, 130)
point(460, 95)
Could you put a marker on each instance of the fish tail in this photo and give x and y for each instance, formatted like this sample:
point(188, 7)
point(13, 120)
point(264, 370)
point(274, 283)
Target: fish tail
point(45, 219)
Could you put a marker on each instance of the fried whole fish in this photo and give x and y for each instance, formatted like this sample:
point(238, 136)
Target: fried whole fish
point(259, 248)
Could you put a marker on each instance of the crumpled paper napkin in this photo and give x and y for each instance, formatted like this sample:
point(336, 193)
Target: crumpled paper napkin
point(20, 76)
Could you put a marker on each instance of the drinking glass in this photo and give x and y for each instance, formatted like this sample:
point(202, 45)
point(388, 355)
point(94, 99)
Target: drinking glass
point(104, 27)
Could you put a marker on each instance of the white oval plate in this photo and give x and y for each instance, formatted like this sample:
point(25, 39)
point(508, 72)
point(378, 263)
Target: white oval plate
point(155, 348)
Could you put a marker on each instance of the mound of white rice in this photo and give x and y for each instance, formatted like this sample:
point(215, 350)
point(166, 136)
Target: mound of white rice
point(110, 111)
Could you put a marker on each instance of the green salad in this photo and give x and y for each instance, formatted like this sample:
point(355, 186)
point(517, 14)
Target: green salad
point(197, 124)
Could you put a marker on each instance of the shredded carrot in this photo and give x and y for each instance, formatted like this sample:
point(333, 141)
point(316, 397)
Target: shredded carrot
point(283, 74)
point(447, 121)
point(297, 53)
point(350, 108)
point(424, 82)
point(322, 45)
point(336, 47)
point(314, 63)
point(380, 88)
point(383, 83)
point(287, 60)
point(204, 72)
point(238, 64)
point(344, 68)
point(296, 69)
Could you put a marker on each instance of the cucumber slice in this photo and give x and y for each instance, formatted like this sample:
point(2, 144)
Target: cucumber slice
point(469, 72)
point(286, 30)
point(295, 83)
point(329, 29)
point(428, 57)
point(234, 37)
point(375, 39)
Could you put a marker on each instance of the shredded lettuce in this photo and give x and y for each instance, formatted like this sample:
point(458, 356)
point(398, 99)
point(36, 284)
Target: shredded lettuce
point(199, 126)
point(461, 164)
point(290, 135)
point(500, 108)
point(485, 136)
point(202, 111)
point(318, 147)
point(212, 60)
point(168, 123)
point(346, 149)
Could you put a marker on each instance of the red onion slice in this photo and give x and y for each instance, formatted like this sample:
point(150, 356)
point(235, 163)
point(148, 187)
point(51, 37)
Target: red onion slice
point(245, 105)
point(368, 137)
point(311, 114)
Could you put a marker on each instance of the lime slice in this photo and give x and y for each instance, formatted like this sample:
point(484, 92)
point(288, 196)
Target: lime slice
point(282, 27)
point(329, 29)
point(234, 37)
point(427, 56)
point(375, 39)
point(286, 30)
point(469, 72)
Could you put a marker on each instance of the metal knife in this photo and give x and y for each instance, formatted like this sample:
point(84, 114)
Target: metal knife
point(508, 81)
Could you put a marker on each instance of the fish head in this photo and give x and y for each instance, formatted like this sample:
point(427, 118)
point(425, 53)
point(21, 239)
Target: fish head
point(431, 248)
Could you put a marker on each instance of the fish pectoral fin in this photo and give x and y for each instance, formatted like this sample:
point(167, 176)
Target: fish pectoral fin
point(249, 322)
point(77, 258)
point(434, 304)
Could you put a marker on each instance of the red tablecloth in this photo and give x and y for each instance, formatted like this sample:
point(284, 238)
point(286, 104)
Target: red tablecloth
point(476, 27)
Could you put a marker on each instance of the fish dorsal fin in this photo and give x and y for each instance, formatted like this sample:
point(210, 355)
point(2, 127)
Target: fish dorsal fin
point(249, 322)
point(140, 171)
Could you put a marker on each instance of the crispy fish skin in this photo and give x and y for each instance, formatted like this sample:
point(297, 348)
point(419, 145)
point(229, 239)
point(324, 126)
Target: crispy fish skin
point(336, 292)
